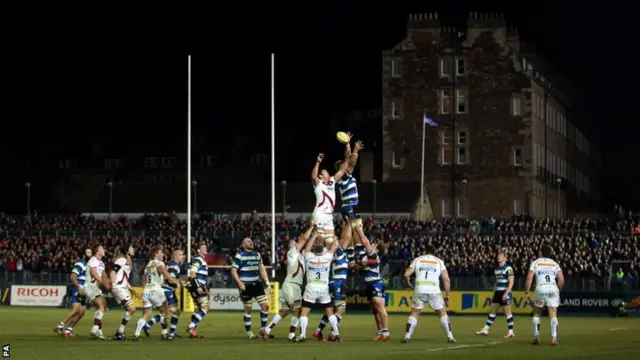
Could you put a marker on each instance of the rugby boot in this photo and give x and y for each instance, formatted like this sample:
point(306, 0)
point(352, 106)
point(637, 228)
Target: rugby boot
point(318, 335)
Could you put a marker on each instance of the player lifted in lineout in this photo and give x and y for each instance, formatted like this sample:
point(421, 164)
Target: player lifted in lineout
point(324, 187)
point(318, 264)
point(370, 262)
point(79, 307)
point(292, 286)
point(247, 271)
point(94, 278)
point(549, 281)
point(153, 295)
point(173, 268)
point(428, 270)
point(501, 296)
point(197, 287)
point(338, 278)
point(121, 289)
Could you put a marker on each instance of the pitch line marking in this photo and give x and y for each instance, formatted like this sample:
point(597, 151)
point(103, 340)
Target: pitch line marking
point(457, 347)
point(619, 329)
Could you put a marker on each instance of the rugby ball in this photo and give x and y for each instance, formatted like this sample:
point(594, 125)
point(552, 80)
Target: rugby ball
point(342, 137)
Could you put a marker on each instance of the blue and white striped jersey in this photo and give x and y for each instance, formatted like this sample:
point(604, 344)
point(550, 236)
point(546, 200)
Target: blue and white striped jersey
point(348, 190)
point(174, 270)
point(340, 265)
point(248, 265)
point(370, 267)
point(199, 266)
point(80, 269)
point(502, 274)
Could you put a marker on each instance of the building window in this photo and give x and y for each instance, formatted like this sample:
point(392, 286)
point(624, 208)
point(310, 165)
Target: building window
point(446, 208)
point(207, 161)
point(445, 101)
point(462, 137)
point(461, 208)
point(151, 162)
point(516, 106)
point(396, 161)
point(112, 163)
point(446, 66)
point(460, 69)
point(517, 207)
point(397, 109)
point(396, 68)
point(517, 157)
point(444, 155)
point(461, 102)
point(461, 156)
point(168, 162)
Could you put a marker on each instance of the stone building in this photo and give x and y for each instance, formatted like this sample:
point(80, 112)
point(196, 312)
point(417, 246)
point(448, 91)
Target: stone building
point(510, 137)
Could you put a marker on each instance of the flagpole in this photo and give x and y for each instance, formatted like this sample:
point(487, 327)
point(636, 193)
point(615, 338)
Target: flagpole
point(424, 124)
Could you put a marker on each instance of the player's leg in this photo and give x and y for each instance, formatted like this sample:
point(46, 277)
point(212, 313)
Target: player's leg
point(101, 305)
point(377, 303)
point(491, 318)
point(69, 316)
point(124, 298)
point(508, 314)
point(304, 319)
point(200, 296)
point(535, 320)
point(164, 312)
point(146, 313)
point(412, 322)
point(553, 319)
point(174, 310)
point(436, 302)
point(339, 304)
point(82, 310)
point(263, 301)
point(333, 319)
point(154, 320)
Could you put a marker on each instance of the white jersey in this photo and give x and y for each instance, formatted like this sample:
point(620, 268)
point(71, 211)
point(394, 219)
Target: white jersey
point(428, 270)
point(152, 275)
point(325, 196)
point(123, 270)
point(545, 271)
point(318, 269)
point(295, 267)
point(94, 263)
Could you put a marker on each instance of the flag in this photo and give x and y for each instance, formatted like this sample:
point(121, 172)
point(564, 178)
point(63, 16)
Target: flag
point(429, 121)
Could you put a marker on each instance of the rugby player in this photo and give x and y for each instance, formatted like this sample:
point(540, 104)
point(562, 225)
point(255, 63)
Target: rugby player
point(428, 270)
point(292, 286)
point(325, 191)
point(247, 270)
point(338, 277)
point(501, 296)
point(173, 268)
point(370, 262)
point(198, 289)
point(153, 294)
point(549, 282)
point(121, 289)
point(318, 264)
point(78, 307)
point(95, 277)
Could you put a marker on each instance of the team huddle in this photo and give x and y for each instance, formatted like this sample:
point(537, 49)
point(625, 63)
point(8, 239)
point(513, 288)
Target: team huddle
point(318, 266)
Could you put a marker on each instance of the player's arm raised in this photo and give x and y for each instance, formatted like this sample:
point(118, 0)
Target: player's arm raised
point(353, 156)
point(345, 237)
point(305, 237)
point(316, 169)
point(407, 275)
point(341, 171)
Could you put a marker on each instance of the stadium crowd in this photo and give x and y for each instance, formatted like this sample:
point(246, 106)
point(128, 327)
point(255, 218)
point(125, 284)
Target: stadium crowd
point(584, 247)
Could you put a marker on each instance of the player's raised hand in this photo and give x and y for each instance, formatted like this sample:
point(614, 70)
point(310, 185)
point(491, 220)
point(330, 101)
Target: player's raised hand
point(359, 146)
point(350, 135)
point(320, 157)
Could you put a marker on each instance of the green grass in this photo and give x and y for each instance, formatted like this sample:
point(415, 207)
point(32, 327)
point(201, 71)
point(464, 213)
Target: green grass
point(30, 333)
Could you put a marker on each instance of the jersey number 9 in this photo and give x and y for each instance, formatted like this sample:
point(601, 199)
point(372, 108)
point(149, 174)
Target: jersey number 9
point(548, 278)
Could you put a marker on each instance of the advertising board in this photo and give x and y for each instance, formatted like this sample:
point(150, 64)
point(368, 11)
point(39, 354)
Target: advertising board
point(37, 295)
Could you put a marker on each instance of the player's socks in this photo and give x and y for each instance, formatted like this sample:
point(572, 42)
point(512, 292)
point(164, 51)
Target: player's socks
point(60, 325)
point(295, 321)
point(264, 318)
point(304, 322)
point(554, 328)
point(535, 321)
point(247, 323)
point(125, 319)
point(412, 322)
point(333, 320)
point(153, 320)
point(276, 319)
point(510, 323)
point(165, 329)
point(174, 323)
point(323, 323)
point(139, 326)
point(446, 326)
point(196, 317)
point(490, 320)
point(97, 322)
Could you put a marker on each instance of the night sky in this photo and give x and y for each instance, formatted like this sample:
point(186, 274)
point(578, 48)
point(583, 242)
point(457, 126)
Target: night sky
point(121, 79)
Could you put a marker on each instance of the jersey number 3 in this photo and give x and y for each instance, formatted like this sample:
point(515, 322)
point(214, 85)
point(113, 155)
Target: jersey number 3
point(318, 275)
